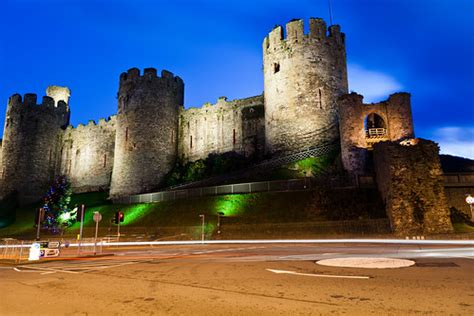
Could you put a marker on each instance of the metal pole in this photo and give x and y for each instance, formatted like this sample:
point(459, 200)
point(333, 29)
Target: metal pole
point(21, 252)
point(118, 229)
point(202, 227)
point(40, 211)
point(218, 223)
point(95, 237)
point(80, 229)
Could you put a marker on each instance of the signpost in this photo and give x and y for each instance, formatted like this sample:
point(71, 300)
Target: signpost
point(97, 219)
point(470, 201)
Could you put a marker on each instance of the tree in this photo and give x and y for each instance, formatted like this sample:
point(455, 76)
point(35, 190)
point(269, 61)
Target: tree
point(56, 206)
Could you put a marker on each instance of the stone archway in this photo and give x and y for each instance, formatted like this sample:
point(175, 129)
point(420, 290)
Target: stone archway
point(375, 129)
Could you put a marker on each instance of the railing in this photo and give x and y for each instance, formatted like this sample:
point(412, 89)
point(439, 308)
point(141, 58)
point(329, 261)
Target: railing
point(240, 188)
point(13, 249)
point(264, 165)
point(465, 179)
point(376, 133)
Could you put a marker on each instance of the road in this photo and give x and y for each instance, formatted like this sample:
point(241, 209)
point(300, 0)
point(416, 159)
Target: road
point(247, 279)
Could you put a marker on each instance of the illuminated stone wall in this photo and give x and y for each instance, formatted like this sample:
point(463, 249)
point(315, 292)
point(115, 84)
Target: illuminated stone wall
point(304, 74)
point(146, 144)
point(236, 125)
point(87, 155)
point(409, 178)
point(395, 112)
point(31, 142)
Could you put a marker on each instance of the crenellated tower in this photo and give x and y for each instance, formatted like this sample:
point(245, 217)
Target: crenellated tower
point(146, 130)
point(304, 74)
point(31, 142)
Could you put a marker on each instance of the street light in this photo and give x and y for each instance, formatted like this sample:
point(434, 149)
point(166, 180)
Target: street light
point(202, 227)
point(470, 201)
point(219, 214)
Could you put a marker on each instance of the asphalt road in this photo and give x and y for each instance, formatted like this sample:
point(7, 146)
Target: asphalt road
point(242, 280)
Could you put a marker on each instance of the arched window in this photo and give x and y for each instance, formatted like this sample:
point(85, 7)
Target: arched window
point(375, 127)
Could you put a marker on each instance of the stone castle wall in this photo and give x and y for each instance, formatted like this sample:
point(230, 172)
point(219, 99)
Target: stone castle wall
point(87, 155)
point(146, 144)
point(409, 178)
point(30, 145)
point(304, 74)
point(236, 125)
point(397, 117)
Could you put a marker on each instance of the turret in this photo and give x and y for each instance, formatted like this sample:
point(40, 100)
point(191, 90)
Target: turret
point(304, 74)
point(59, 94)
point(147, 130)
point(30, 145)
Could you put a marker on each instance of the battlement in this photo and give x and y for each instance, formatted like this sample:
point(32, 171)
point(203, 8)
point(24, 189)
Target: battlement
point(30, 100)
point(224, 102)
point(354, 98)
point(103, 122)
point(133, 74)
point(295, 34)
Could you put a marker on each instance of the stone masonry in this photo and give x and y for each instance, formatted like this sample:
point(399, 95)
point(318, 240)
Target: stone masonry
point(394, 123)
point(409, 178)
point(304, 74)
point(236, 125)
point(304, 104)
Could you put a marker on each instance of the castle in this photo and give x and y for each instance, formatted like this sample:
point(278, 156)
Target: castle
point(305, 103)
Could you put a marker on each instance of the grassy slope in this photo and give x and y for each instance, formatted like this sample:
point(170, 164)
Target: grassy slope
point(251, 208)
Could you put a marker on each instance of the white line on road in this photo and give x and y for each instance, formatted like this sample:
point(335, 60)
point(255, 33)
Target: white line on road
point(319, 275)
point(269, 241)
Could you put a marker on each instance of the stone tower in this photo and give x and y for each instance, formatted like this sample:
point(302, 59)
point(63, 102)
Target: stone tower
point(304, 74)
point(31, 143)
point(146, 130)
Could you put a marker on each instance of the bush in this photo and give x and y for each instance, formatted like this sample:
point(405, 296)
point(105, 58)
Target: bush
point(8, 208)
point(458, 216)
point(212, 166)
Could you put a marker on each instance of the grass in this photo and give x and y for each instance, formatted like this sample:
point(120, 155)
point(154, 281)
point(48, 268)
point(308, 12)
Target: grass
point(463, 228)
point(237, 208)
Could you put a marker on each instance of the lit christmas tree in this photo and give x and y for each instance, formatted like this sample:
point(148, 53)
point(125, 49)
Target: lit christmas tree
point(56, 206)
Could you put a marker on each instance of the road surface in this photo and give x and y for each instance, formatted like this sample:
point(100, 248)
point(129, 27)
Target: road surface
point(247, 279)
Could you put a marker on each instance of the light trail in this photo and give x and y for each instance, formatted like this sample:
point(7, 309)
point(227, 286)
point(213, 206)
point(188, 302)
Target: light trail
point(264, 241)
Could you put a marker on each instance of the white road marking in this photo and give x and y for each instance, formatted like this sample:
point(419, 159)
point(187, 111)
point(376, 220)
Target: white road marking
point(367, 262)
point(73, 268)
point(319, 275)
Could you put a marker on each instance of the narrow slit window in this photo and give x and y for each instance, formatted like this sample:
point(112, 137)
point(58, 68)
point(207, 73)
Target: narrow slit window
point(276, 68)
point(191, 142)
point(105, 160)
point(320, 94)
point(233, 139)
point(126, 134)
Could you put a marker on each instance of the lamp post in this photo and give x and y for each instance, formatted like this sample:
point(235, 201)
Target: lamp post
point(202, 227)
point(470, 202)
point(219, 214)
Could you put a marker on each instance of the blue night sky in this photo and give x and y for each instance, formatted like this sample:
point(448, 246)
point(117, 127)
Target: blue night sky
point(424, 47)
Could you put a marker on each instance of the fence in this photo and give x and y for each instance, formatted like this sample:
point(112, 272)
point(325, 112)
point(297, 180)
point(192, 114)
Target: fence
point(240, 188)
point(459, 179)
point(13, 249)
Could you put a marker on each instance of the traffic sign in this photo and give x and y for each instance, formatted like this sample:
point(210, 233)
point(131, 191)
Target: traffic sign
point(97, 217)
